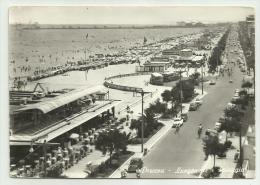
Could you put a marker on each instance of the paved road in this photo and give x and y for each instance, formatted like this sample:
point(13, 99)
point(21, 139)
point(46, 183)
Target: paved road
point(184, 150)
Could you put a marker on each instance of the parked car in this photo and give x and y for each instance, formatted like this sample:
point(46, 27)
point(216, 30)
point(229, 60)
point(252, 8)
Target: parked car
point(177, 121)
point(184, 116)
point(217, 126)
point(236, 94)
point(198, 101)
point(193, 106)
point(223, 119)
point(237, 91)
point(135, 163)
point(212, 82)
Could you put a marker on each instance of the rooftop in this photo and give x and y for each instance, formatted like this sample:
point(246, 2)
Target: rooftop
point(53, 103)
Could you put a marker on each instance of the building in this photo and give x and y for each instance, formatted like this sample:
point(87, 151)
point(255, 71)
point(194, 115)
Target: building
point(52, 117)
point(250, 23)
point(171, 52)
point(156, 64)
point(193, 60)
point(198, 59)
point(153, 67)
point(186, 53)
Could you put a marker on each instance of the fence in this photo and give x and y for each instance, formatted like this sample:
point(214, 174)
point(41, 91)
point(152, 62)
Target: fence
point(124, 87)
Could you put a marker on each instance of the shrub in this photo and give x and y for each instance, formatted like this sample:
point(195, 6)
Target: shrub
point(228, 144)
point(216, 171)
point(135, 141)
point(207, 174)
point(211, 173)
point(122, 120)
point(102, 167)
point(54, 171)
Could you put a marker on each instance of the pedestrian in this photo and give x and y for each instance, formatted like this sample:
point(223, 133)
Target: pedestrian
point(200, 130)
point(177, 129)
point(138, 173)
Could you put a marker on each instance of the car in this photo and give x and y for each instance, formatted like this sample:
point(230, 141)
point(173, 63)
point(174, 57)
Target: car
point(236, 94)
point(193, 106)
point(135, 163)
point(230, 81)
point(212, 82)
point(223, 119)
point(198, 101)
point(217, 126)
point(237, 91)
point(184, 116)
point(243, 70)
point(177, 122)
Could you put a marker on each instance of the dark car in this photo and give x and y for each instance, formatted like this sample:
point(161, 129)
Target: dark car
point(184, 116)
point(193, 106)
point(212, 82)
point(135, 163)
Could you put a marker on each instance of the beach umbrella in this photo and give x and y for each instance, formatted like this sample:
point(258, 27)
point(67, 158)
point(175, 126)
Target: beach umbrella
point(74, 136)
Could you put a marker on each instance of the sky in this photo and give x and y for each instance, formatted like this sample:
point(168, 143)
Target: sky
point(126, 15)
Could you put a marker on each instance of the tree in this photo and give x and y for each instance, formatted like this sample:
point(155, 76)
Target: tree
point(187, 88)
point(211, 146)
point(149, 123)
point(112, 141)
point(158, 107)
point(230, 125)
point(195, 77)
point(247, 85)
point(233, 112)
point(166, 96)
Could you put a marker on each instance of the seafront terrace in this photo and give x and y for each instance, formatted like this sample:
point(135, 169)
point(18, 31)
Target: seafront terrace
point(50, 132)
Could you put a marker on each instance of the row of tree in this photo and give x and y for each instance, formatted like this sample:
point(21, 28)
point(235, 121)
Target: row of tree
point(215, 58)
point(230, 123)
point(247, 45)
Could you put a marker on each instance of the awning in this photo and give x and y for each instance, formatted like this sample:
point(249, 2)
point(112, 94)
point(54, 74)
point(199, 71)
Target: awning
point(49, 105)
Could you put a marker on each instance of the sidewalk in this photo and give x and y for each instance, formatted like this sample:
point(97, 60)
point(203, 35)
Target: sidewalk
point(96, 157)
point(227, 164)
point(151, 142)
point(78, 170)
point(137, 148)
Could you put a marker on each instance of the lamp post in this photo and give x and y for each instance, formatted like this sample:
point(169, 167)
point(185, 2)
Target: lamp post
point(142, 147)
point(142, 92)
point(202, 80)
point(181, 88)
point(108, 92)
point(240, 145)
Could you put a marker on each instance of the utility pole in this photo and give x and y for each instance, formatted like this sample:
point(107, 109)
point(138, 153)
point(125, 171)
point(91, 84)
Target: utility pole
point(108, 92)
point(85, 52)
point(142, 92)
point(202, 80)
point(240, 145)
point(142, 147)
point(44, 160)
point(181, 89)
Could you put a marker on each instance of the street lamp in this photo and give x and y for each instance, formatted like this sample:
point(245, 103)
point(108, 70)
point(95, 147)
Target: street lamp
point(108, 92)
point(142, 92)
point(240, 144)
point(181, 88)
point(202, 80)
